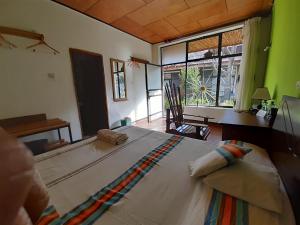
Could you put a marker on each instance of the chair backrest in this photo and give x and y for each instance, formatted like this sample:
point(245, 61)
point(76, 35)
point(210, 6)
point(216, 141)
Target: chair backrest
point(173, 96)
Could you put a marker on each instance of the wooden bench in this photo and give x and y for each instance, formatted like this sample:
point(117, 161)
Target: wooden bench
point(35, 124)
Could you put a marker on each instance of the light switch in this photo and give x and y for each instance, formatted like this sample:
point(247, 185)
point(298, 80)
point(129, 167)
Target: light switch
point(51, 75)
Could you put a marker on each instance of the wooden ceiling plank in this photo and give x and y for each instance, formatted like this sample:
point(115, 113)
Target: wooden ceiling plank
point(192, 3)
point(157, 10)
point(153, 38)
point(196, 13)
point(80, 5)
point(111, 10)
point(128, 25)
point(223, 19)
point(163, 29)
point(148, 1)
point(157, 20)
point(243, 4)
point(189, 28)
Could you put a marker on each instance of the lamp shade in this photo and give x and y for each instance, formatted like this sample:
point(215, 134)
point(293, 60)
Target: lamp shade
point(261, 94)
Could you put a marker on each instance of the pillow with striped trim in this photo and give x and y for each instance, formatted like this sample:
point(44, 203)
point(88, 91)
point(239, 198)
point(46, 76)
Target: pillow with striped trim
point(251, 182)
point(222, 156)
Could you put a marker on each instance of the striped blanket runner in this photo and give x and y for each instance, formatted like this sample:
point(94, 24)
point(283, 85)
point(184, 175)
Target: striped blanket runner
point(226, 210)
point(96, 205)
point(49, 216)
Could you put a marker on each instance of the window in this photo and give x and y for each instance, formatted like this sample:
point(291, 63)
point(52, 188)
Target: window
point(210, 73)
point(175, 75)
point(203, 48)
point(228, 80)
point(201, 82)
point(118, 79)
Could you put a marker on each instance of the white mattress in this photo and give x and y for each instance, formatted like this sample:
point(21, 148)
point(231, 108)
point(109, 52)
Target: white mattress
point(167, 195)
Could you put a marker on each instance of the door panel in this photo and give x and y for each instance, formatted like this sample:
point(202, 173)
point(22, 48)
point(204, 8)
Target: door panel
point(89, 83)
point(154, 91)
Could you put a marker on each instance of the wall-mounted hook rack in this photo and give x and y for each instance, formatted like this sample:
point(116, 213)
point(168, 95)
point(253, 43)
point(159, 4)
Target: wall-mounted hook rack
point(25, 34)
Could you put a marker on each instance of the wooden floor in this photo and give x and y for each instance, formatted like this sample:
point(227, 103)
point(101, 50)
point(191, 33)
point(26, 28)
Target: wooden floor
point(160, 125)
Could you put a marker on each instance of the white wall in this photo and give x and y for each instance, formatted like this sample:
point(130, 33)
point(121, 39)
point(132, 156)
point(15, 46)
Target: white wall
point(25, 87)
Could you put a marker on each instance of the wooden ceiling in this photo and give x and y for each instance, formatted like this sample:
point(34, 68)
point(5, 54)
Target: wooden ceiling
point(161, 20)
point(229, 38)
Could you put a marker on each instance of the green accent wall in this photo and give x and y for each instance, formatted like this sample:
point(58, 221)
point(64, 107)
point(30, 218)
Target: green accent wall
point(283, 70)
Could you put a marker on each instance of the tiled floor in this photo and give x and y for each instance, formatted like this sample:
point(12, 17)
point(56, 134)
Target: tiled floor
point(160, 125)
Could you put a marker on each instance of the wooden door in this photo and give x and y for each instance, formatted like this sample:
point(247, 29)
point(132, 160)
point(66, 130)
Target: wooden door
point(89, 81)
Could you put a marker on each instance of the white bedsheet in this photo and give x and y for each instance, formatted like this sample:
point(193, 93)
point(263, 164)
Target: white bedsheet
point(167, 195)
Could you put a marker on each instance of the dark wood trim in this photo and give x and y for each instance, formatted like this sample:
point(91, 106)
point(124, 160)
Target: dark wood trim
point(147, 92)
point(219, 68)
point(21, 33)
point(112, 60)
point(71, 50)
point(143, 61)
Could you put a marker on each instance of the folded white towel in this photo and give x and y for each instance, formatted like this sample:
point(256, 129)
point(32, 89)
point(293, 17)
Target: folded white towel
point(111, 137)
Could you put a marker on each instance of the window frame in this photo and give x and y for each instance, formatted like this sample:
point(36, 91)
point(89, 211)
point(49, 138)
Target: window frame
point(219, 56)
point(118, 98)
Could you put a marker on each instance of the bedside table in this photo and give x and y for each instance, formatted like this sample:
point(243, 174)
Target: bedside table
point(246, 127)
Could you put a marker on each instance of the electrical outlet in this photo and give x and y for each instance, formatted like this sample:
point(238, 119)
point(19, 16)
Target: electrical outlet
point(298, 85)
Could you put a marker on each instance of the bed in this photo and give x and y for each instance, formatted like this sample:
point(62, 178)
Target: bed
point(82, 180)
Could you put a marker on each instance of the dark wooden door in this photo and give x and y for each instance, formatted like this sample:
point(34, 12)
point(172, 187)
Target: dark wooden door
point(90, 90)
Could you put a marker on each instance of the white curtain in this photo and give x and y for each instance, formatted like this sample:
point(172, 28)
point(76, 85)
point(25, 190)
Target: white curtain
point(245, 87)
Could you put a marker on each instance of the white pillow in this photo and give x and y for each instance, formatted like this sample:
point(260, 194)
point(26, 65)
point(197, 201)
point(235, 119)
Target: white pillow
point(257, 155)
point(251, 182)
point(217, 159)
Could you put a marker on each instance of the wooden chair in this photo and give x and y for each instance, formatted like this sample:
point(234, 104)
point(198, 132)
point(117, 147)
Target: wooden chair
point(198, 129)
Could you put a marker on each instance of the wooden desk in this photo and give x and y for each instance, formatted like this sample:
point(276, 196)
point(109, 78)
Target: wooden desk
point(245, 127)
point(34, 124)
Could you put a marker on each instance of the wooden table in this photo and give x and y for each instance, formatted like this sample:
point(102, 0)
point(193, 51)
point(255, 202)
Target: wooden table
point(246, 127)
point(34, 124)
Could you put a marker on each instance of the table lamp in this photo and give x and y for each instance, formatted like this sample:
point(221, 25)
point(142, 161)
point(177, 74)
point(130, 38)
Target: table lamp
point(261, 94)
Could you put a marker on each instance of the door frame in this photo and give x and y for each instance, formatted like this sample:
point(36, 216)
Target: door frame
point(148, 90)
point(75, 50)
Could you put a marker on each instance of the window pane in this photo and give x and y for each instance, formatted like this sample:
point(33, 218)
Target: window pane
point(174, 54)
point(115, 66)
point(203, 48)
point(122, 85)
point(121, 67)
point(232, 42)
point(229, 78)
point(154, 77)
point(116, 86)
point(202, 82)
point(176, 75)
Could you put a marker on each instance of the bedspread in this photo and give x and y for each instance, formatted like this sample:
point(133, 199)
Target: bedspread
point(144, 181)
